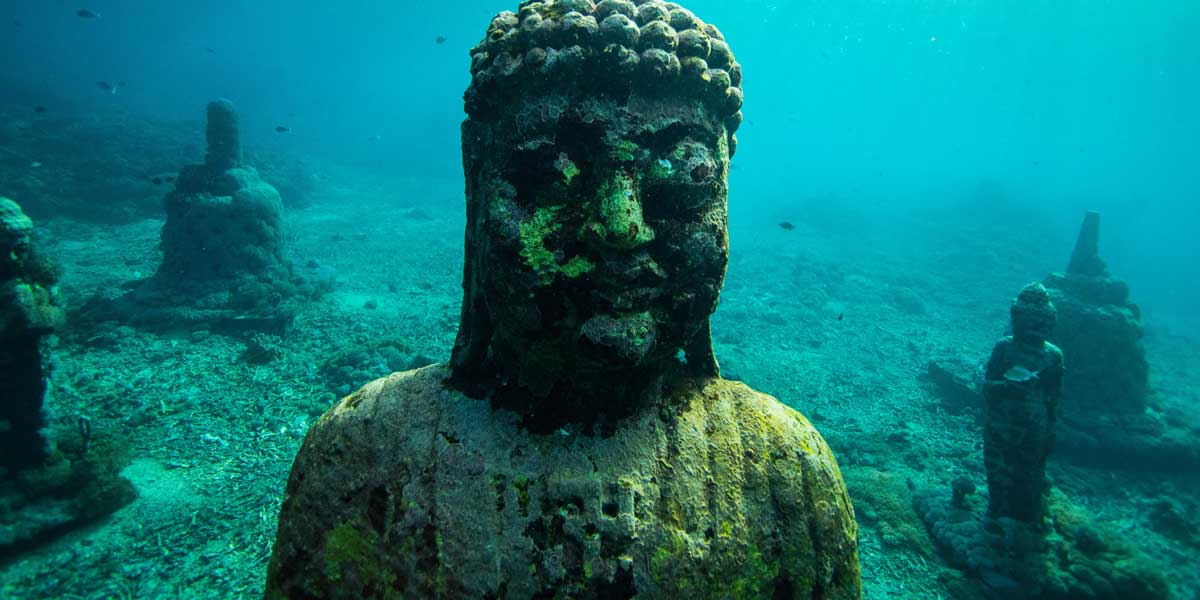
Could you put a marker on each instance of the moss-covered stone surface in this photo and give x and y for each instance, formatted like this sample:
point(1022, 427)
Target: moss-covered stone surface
point(409, 489)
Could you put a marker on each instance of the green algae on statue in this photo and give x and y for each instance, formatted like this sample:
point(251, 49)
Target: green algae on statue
point(1029, 541)
point(52, 479)
point(580, 443)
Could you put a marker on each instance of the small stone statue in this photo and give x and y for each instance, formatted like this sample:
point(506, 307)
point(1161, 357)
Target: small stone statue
point(52, 477)
point(29, 313)
point(581, 443)
point(1030, 542)
point(1022, 386)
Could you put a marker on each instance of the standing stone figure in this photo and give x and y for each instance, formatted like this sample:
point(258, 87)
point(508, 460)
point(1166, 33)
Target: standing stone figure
point(51, 480)
point(581, 443)
point(1022, 385)
point(29, 313)
point(1030, 542)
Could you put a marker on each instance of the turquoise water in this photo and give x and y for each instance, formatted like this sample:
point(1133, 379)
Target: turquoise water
point(932, 156)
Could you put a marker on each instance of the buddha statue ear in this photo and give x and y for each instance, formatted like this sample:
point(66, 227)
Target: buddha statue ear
point(469, 359)
point(701, 362)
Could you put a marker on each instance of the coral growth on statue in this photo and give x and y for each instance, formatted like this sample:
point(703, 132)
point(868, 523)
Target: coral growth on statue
point(580, 443)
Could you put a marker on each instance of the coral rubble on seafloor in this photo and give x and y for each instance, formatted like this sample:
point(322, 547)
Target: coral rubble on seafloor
point(1028, 540)
point(54, 478)
point(580, 443)
point(223, 264)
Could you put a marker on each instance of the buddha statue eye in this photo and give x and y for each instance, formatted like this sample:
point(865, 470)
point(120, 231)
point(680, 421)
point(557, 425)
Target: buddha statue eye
point(534, 166)
point(702, 173)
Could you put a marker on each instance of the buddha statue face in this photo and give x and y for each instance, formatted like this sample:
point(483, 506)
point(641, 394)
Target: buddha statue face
point(1033, 316)
point(597, 204)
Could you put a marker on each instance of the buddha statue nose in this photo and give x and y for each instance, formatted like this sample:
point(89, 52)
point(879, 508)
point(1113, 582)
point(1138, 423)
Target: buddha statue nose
point(615, 214)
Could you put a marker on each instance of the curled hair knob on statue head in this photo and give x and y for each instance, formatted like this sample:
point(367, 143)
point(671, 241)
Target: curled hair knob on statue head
point(608, 50)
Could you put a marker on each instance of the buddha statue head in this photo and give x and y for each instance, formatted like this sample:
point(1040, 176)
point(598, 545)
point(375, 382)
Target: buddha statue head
point(596, 153)
point(1033, 316)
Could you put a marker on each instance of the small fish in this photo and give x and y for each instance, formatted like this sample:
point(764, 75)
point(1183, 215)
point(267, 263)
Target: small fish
point(210, 51)
point(786, 226)
point(106, 86)
point(841, 316)
point(35, 164)
point(282, 129)
point(39, 109)
point(441, 39)
point(1019, 374)
point(157, 181)
point(374, 138)
point(84, 13)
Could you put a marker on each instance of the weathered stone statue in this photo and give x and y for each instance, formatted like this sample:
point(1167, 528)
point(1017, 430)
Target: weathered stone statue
point(52, 478)
point(29, 313)
point(580, 443)
point(1101, 330)
point(1029, 541)
point(1022, 386)
point(223, 265)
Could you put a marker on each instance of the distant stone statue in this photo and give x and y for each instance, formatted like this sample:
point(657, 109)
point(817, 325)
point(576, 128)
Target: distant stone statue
point(1029, 541)
point(580, 444)
point(223, 264)
point(1022, 386)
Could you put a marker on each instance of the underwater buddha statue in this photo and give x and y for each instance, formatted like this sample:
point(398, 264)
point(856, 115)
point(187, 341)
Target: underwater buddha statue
point(580, 443)
point(1030, 541)
point(1022, 385)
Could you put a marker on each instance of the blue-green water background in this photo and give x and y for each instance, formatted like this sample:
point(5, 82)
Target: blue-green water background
point(1019, 110)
